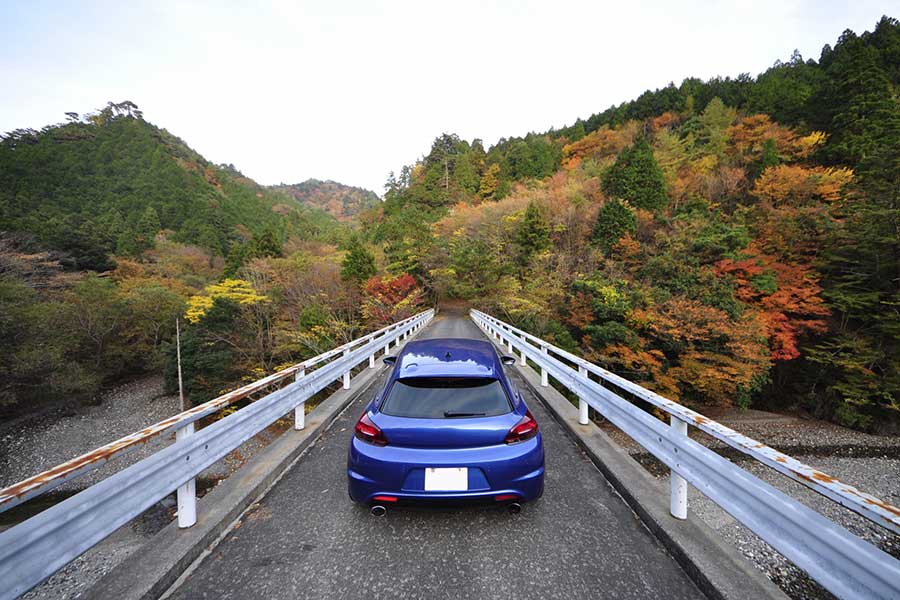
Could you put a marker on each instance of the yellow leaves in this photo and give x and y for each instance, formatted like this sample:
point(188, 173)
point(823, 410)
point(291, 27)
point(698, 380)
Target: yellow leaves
point(797, 185)
point(808, 143)
point(750, 135)
point(603, 143)
point(197, 308)
point(236, 290)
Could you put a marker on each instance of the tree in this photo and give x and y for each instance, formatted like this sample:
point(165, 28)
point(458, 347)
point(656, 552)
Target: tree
point(146, 229)
point(533, 233)
point(490, 182)
point(358, 264)
point(265, 244)
point(390, 299)
point(614, 219)
point(637, 178)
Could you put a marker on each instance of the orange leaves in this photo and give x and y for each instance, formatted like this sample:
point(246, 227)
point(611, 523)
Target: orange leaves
point(797, 185)
point(603, 143)
point(788, 295)
point(751, 133)
point(796, 208)
point(684, 321)
point(716, 358)
point(387, 299)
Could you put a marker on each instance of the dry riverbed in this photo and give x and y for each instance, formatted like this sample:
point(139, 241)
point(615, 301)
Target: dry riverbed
point(869, 462)
point(33, 446)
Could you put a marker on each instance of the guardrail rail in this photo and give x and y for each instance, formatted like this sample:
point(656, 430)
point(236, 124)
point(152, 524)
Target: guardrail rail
point(36, 548)
point(841, 562)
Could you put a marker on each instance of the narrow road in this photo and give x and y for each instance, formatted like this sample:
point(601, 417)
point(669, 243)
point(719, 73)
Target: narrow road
point(306, 539)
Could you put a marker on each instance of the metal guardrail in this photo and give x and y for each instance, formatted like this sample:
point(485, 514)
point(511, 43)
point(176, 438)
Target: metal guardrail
point(844, 564)
point(35, 549)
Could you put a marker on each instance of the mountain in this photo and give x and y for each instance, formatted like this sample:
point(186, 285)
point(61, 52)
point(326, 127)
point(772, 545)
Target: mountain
point(343, 202)
point(105, 183)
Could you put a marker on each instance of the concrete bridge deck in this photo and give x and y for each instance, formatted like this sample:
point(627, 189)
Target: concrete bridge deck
point(306, 539)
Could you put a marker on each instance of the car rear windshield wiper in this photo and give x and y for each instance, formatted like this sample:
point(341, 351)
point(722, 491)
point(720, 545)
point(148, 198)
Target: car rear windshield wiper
point(449, 413)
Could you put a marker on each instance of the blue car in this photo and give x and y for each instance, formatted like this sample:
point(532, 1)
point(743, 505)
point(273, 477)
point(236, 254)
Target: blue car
point(448, 427)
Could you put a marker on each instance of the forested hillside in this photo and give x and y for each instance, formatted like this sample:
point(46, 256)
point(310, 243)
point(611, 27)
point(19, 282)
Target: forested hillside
point(111, 228)
point(732, 241)
point(725, 242)
point(343, 202)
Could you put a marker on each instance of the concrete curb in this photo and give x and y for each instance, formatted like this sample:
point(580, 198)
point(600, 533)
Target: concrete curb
point(716, 567)
point(154, 568)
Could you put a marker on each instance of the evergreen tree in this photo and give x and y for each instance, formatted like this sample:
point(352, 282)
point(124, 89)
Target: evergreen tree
point(862, 360)
point(533, 233)
point(146, 229)
point(266, 244)
point(359, 264)
point(614, 220)
point(637, 178)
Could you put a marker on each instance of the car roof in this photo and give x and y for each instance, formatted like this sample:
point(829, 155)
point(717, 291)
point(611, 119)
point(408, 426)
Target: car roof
point(448, 357)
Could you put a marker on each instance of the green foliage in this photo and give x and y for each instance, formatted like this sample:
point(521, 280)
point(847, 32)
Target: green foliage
point(109, 182)
point(532, 234)
point(359, 264)
point(637, 178)
point(614, 219)
point(207, 357)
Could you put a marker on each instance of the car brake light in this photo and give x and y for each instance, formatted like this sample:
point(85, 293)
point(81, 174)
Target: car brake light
point(385, 499)
point(525, 429)
point(368, 431)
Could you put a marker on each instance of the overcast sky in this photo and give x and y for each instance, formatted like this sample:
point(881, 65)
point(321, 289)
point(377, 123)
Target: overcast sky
point(350, 91)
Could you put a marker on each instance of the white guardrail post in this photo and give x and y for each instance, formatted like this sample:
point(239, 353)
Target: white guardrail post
point(544, 381)
point(300, 409)
point(347, 372)
point(678, 500)
point(187, 492)
point(584, 417)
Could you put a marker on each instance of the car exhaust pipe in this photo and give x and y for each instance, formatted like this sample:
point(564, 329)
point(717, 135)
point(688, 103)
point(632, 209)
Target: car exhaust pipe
point(514, 508)
point(378, 510)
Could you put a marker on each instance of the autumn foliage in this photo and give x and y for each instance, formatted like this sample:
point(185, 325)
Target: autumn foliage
point(390, 299)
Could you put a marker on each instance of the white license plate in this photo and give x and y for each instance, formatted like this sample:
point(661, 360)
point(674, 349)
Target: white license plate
point(455, 479)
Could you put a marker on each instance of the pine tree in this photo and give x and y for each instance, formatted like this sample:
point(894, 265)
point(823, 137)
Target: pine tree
point(359, 264)
point(637, 178)
point(146, 229)
point(533, 233)
point(614, 220)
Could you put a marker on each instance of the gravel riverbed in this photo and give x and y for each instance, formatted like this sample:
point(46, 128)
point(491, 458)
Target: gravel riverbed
point(869, 462)
point(38, 444)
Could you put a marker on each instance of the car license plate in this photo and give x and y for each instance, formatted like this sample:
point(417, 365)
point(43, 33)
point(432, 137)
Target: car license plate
point(454, 479)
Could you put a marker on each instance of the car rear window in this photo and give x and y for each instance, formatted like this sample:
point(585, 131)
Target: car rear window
point(446, 398)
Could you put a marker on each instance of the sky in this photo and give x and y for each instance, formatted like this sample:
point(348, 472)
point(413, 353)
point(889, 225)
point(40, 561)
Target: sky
point(350, 91)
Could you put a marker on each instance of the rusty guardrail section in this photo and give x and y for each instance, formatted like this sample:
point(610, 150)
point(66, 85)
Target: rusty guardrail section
point(844, 564)
point(44, 482)
point(36, 548)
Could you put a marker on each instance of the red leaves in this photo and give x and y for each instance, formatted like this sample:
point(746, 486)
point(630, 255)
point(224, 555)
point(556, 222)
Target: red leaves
point(789, 296)
point(386, 299)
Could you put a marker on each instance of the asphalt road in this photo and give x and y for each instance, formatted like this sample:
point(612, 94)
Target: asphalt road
point(306, 539)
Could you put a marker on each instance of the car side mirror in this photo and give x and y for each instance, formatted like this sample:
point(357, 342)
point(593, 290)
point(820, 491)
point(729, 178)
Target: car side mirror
point(389, 360)
point(508, 360)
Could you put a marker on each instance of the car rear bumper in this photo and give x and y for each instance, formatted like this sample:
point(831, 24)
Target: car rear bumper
point(503, 470)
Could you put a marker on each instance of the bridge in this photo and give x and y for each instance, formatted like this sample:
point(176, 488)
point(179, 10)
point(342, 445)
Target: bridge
point(283, 526)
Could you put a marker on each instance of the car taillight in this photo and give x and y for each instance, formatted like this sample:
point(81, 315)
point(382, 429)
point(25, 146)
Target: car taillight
point(525, 429)
point(368, 431)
